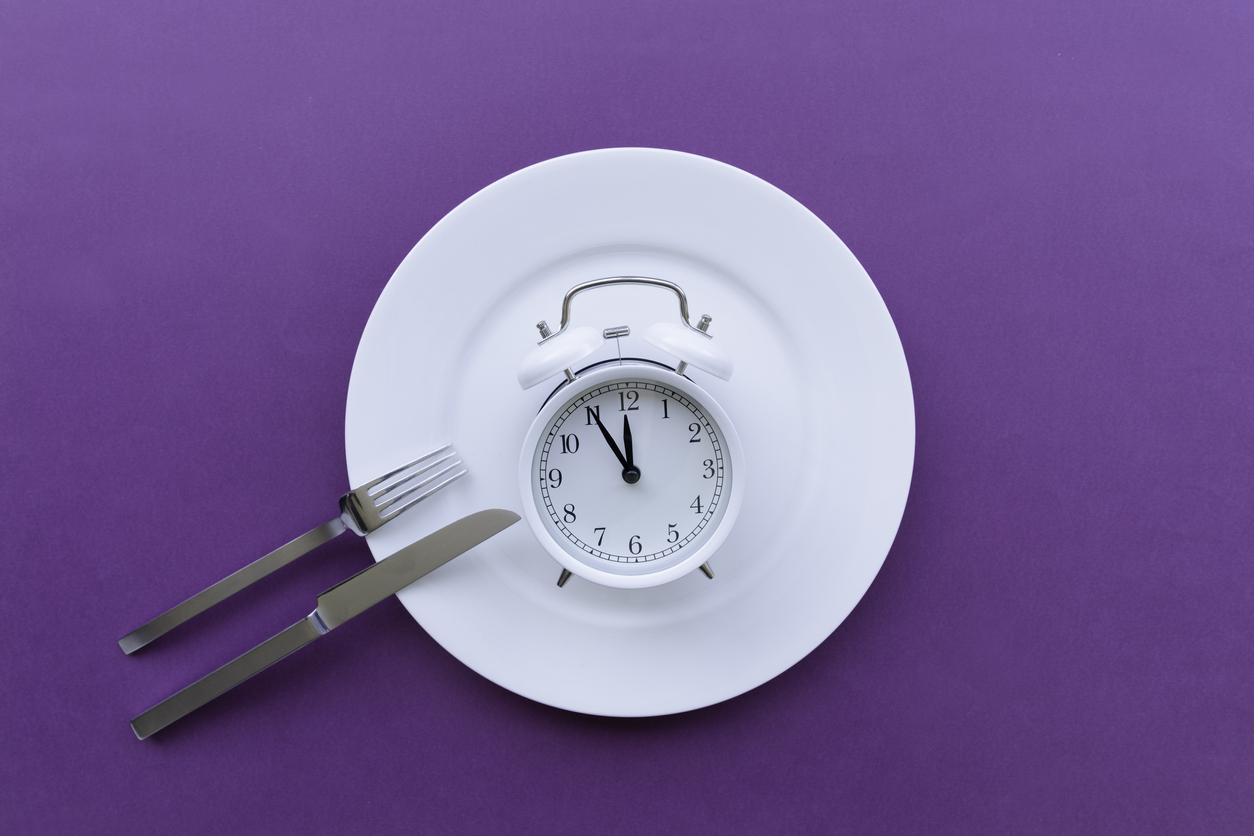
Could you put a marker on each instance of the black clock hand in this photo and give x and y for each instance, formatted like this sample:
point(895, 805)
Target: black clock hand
point(630, 474)
point(630, 463)
point(608, 437)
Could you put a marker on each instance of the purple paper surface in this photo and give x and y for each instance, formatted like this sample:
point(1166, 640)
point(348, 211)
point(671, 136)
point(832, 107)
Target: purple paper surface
point(200, 203)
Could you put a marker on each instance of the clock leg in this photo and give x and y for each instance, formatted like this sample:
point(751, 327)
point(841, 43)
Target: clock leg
point(565, 576)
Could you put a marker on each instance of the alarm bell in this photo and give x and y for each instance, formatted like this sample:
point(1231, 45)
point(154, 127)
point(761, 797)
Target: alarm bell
point(692, 347)
point(558, 351)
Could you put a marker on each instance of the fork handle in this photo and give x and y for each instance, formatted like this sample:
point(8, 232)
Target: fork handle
point(229, 585)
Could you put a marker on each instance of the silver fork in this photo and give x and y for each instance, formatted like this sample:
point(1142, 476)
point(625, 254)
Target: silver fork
point(362, 510)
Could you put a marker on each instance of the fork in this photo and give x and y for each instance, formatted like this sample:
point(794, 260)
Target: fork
point(362, 510)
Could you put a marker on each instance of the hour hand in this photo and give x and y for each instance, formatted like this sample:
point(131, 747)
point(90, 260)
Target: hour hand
point(631, 473)
point(631, 462)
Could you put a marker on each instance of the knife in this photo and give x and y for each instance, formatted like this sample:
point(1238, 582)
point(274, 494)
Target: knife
point(335, 606)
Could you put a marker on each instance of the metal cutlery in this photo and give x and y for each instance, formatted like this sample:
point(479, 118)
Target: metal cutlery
point(335, 606)
point(362, 510)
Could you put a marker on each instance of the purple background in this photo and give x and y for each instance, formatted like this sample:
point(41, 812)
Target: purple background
point(200, 203)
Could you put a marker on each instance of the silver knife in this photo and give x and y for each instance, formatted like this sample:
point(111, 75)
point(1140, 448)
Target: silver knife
point(335, 606)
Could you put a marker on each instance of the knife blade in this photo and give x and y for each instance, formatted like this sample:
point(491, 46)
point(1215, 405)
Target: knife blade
point(335, 606)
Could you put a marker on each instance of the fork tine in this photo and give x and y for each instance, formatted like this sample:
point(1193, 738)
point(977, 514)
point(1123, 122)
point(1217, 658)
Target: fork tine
point(387, 511)
point(396, 493)
point(374, 482)
point(381, 492)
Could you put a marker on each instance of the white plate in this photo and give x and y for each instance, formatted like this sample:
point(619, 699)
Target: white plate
point(821, 398)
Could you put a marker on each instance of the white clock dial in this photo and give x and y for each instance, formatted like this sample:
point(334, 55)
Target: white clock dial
point(632, 476)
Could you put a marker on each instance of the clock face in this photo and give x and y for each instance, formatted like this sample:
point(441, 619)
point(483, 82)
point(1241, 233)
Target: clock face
point(632, 474)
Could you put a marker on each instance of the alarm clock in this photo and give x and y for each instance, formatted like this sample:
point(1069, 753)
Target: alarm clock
point(631, 474)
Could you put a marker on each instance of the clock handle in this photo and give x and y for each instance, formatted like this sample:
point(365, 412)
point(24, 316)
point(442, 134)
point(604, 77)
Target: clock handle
point(560, 351)
point(644, 280)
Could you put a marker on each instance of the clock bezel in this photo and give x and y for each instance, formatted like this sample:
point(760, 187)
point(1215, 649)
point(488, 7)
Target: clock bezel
point(632, 369)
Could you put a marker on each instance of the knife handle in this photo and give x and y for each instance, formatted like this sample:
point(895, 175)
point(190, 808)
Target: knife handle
point(226, 677)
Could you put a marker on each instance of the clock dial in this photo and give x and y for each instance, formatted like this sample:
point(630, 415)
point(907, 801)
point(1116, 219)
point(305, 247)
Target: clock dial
point(631, 474)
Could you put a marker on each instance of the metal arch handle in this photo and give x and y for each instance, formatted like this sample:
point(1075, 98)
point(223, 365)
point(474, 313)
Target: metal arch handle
point(644, 280)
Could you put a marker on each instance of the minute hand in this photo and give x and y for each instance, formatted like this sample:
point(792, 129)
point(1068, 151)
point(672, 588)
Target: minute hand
point(609, 438)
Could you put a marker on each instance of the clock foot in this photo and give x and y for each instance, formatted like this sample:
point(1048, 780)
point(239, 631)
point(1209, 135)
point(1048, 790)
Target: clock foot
point(565, 576)
point(705, 567)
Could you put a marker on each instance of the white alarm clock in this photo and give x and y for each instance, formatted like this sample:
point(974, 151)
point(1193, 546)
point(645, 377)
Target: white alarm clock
point(631, 475)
